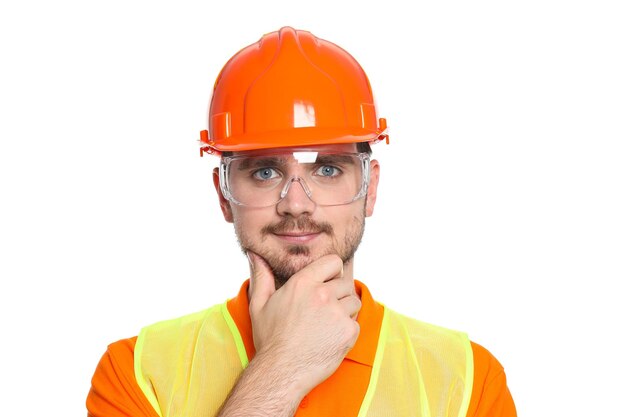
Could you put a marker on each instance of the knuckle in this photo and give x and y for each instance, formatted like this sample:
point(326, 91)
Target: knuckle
point(334, 260)
point(298, 283)
point(253, 307)
point(337, 262)
point(338, 315)
point(350, 334)
point(355, 329)
point(322, 295)
point(353, 304)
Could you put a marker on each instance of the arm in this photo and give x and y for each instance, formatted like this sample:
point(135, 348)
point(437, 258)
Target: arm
point(301, 332)
point(266, 388)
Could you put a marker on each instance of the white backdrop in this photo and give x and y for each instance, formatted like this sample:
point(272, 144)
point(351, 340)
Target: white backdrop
point(501, 205)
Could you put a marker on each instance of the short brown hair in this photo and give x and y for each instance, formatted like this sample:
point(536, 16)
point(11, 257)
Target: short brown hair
point(364, 147)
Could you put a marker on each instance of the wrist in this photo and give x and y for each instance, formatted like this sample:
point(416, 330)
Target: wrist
point(282, 376)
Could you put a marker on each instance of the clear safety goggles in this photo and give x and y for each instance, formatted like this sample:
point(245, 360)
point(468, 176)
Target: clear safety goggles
point(264, 179)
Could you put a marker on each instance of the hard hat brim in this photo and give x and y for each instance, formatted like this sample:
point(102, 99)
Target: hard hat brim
point(305, 136)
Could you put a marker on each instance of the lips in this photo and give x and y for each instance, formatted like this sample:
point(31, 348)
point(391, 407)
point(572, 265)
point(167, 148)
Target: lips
point(302, 229)
point(297, 237)
point(315, 232)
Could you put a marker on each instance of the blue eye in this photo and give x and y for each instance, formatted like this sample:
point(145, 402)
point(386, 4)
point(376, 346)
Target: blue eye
point(265, 174)
point(328, 171)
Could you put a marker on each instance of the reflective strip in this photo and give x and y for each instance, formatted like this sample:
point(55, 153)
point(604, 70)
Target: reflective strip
point(241, 347)
point(380, 350)
point(424, 404)
point(469, 378)
point(146, 387)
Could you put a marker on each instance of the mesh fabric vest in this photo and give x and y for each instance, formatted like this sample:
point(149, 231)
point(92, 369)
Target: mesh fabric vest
point(187, 366)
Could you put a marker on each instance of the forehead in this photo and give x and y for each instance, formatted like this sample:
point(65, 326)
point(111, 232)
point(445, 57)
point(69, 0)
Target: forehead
point(334, 148)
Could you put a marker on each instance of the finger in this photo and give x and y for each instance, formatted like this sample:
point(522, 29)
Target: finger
point(261, 281)
point(351, 305)
point(341, 288)
point(324, 269)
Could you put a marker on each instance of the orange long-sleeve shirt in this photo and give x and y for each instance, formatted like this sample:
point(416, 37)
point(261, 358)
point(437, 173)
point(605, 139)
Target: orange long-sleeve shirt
point(115, 392)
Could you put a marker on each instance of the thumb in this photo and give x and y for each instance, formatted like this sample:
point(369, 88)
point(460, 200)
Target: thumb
point(261, 281)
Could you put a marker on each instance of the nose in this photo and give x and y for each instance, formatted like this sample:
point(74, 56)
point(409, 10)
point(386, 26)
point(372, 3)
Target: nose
point(295, 199)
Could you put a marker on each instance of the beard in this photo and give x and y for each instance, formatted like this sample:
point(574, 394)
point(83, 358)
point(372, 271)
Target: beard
point(285, 263)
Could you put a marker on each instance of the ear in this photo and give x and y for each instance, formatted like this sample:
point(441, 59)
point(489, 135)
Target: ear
point(372, 188)
point(224, 203)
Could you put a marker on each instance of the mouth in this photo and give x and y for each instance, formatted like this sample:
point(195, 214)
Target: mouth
point(297, 237)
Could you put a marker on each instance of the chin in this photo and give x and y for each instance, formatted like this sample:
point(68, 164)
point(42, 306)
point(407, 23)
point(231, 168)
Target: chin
point(288, 264)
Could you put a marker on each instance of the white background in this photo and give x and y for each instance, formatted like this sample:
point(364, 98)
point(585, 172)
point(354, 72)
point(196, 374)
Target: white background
point(501, 204)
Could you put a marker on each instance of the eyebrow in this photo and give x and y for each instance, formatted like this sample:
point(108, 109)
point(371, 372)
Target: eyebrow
point(248, 163)
point(272, 161)
point(334, 159)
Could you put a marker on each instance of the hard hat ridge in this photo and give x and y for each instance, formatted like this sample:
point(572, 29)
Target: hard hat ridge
point(300, 93)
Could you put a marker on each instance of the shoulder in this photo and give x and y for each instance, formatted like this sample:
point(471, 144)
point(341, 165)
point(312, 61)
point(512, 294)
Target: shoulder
point(118, 359)
point(123, 348)
point(175, 334)
point(427, 334)
point(490, 393)
point(114, 391)
point(114, 387)
point(490, 396)
point(486, 366)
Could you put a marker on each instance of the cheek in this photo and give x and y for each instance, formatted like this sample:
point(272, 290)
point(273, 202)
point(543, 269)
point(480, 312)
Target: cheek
point(342, 218)
point(249, 222)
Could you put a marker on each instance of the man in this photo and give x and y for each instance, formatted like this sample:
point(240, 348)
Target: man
point(292, 117)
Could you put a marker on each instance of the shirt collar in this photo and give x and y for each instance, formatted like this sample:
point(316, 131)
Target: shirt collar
point(369, 319)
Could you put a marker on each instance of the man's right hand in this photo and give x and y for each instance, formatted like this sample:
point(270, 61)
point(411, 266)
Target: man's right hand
point(302, 332)
point(307, 326)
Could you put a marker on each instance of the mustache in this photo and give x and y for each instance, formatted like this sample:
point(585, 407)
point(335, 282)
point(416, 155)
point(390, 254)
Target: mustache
point(303, 223)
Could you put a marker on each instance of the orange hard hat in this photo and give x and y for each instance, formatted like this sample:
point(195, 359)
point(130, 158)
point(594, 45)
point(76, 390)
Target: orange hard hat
point(291, 89)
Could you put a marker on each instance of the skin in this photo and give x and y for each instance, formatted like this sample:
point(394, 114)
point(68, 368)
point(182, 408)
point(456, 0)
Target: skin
point(303, 304)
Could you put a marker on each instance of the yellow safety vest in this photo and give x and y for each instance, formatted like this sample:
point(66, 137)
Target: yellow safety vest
point(186, 367)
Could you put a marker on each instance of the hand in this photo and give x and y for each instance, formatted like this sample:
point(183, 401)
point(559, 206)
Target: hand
point(308, 325)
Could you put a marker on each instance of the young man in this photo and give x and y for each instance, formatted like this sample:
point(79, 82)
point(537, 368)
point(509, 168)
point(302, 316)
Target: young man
point(292, 117)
